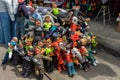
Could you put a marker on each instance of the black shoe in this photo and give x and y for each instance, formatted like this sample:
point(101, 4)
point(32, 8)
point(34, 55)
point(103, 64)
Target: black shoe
point(37, 77)
point(23, 73)
point(72, 75)
point(41, 77)
point(26, 74)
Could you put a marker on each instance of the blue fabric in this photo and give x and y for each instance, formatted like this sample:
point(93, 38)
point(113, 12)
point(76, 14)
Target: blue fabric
point(20, 27)
point(53, 28)
point(5, 28)
point(6, 58)
point(13, 28)
point(71, 69)
point(37, 16)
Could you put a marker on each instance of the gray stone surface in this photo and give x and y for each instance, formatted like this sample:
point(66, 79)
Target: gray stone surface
point(107, 36)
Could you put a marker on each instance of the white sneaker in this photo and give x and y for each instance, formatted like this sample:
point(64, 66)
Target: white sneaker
point(118, 19)
point(96, 61)
point(94, 51)
point(95, 64)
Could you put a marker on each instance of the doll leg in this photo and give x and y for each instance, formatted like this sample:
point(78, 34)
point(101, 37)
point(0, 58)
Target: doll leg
point(28, 70)
point(49, 34)
point(6, 58)
point(69, 71)
point(73, 69)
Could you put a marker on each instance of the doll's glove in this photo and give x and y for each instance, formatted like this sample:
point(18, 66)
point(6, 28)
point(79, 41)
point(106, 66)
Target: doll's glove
point(10, 55)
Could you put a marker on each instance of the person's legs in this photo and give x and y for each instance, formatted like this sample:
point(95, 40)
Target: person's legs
point(22, 26)
point(17, 34)
point(13, 28)
point(6, 26)
point(1, 30)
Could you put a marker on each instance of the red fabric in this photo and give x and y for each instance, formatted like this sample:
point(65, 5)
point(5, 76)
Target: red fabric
point(75, 37)
point(74, 27)
point(20, 1)
point(69, 58)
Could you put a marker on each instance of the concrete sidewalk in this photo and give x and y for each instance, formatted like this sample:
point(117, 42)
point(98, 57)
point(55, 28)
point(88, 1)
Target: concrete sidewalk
point(107, 36)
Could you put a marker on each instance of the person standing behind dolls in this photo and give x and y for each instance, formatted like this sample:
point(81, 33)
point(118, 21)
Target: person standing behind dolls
point(22, 14)
point(5, 22)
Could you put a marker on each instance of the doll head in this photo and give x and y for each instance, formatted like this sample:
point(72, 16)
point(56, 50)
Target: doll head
point(38, 23)
point(21, 44)
point(47, 19)
point(30, 52)
point(37, 50)
point(15, 39)
point(29, 41)
point(54, 5)
point(11, 45)
point(40, 43)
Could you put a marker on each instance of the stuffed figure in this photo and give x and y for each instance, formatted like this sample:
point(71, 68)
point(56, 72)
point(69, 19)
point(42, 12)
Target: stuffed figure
point(39, 69)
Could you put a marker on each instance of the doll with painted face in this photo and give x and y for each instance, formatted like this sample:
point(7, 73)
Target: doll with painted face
point(70, 64)
point(39, 69)
point(18, 53)
point(48, 65)
point(58, 53)
point(9, 53)
point(56, 11)
point(28, 63)
point(28, 43)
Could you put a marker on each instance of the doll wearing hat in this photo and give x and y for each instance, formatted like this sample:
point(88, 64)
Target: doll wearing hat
point(9, 53)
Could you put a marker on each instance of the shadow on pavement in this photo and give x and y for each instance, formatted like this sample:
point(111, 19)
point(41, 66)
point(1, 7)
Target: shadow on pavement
point(110, 56)
point(101, 69)
point(18, 73)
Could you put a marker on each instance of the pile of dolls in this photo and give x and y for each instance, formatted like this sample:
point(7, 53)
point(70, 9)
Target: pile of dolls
point(49, 43)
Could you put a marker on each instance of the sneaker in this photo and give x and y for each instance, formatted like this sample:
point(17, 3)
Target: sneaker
point(94, 52)
point(118, 19)
point(95, 64)
point(96, 61)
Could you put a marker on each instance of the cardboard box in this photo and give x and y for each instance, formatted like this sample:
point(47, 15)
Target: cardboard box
point(118, 27)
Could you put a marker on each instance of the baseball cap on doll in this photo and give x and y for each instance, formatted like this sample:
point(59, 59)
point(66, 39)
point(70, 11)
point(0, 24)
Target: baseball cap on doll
point(12, 43)
point(20, 1)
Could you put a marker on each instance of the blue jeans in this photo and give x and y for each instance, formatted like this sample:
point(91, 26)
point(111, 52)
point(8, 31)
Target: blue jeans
point(71, 69)
point(20, 27)
point(5, 28)
point(13, 28)
point(6, 58)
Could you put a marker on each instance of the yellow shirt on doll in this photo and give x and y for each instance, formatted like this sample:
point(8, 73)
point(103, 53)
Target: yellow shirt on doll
point(56, 11)
point(47, 25)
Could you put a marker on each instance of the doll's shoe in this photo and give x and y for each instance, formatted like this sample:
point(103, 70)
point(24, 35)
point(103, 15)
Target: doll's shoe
point(95, 64)
point(96, 61)
point(41, 77)
point(23, 72)
point(72, 75)
point(94, 52)
point(85, 69)
point(26, 74)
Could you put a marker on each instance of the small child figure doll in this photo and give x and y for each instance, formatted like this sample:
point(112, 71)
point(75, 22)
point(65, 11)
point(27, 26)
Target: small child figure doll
point(28, 63)
point(28, 43)
point(18, 53)
point(56, 11)
point(39, 69)
point(47, 24)
point(9, 53)
point(70, 64)
point(93, 43)
point(49, 53)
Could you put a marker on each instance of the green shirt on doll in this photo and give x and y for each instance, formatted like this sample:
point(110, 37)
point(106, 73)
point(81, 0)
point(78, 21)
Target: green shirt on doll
point(47, 25)
point(56, 11)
